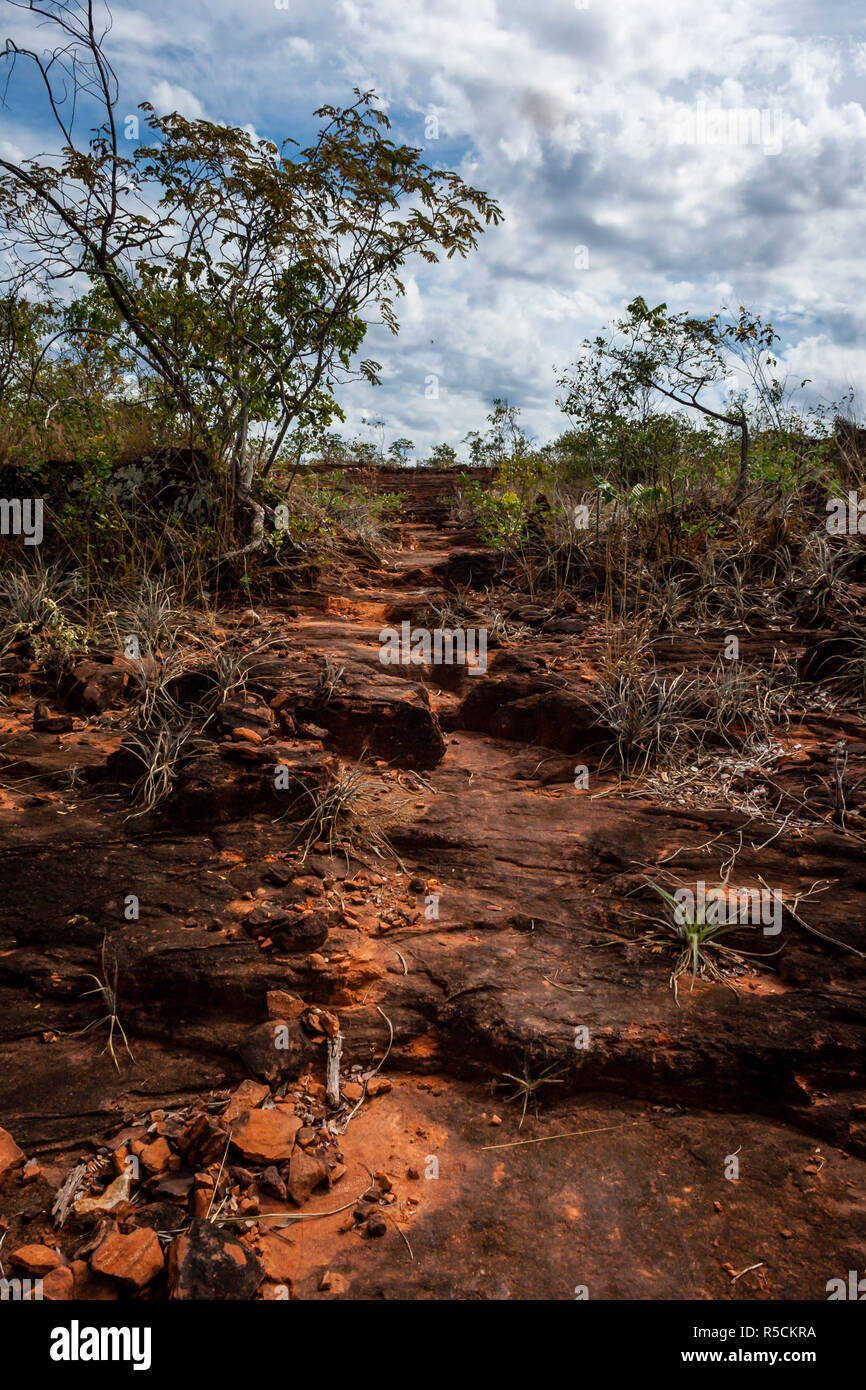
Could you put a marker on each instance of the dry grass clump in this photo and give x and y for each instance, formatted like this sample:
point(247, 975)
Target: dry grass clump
point(751, 702)
point(326, 517)
point(819, 581)
point(328, 682)
point(528, 1086)
point(346, 815)
point(161, 750)
point(647, 714)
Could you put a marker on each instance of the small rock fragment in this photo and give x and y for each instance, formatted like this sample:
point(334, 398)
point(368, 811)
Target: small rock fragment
point(58, 1284)
point(36, 1259)
point(89, 1208)
point(247, 1096)
point(265, 1136)
point(10, 1154)
point(281, 1004)
point(133, 1260)
point(156, 1157)
point(278, 1258)
point(306, 1173)
point(275, 1051)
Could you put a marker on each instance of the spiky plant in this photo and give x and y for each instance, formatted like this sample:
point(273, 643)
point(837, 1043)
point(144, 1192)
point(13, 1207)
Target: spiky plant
point(327, 683)
point(698, 940)
point(32, 604)
point(821, 578)
point(528, 1086)
point(153, 613)
point(151, 679)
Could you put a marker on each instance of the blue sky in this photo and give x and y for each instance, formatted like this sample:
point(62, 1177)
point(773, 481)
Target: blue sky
point(686, 152)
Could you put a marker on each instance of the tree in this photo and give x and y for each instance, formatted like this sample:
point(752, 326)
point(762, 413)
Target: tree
point(400, 449)
point(242, 274)
point(684, 359)
point(475, 445)
point(62, 391)
point(442, 456)
point(505, 437)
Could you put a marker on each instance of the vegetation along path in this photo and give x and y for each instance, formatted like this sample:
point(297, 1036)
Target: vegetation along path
point(429, 886)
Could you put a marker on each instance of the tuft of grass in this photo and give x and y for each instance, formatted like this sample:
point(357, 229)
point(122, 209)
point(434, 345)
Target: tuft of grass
point(29, 595)
point(161, 750)
point(646, 713)
point(820, 581)
point(344, 816)
point(757, 696)
point(106, 988)
point(153, 613)
point(33, 604)
point(328, 683)
point(668, 602)
point(151, 679)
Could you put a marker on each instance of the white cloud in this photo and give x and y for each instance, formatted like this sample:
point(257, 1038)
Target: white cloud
point(168, 96)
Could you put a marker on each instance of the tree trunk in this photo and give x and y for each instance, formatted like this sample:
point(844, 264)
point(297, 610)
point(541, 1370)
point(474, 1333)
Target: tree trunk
point(242, 468)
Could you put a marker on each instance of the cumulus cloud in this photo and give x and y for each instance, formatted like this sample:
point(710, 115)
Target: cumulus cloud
point(168, 96)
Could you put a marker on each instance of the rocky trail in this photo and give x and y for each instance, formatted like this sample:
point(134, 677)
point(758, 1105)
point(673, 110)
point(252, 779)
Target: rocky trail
point(527, 1110)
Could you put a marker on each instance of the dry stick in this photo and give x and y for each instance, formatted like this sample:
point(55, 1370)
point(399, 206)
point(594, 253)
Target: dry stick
point(569, 989)
point(405, 1238)
point(401, 960)
point(288, 1216)
point(813, 931)
point(332, 1070)
point(376, 1069)
point(568, 1134)
point(218, 1176)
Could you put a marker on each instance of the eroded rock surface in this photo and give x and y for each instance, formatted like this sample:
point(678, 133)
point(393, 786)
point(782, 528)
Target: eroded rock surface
point(501, 950)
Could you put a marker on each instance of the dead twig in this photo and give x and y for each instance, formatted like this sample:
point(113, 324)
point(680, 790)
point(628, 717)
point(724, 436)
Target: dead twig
point(546, 1138)
point(813, 931)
